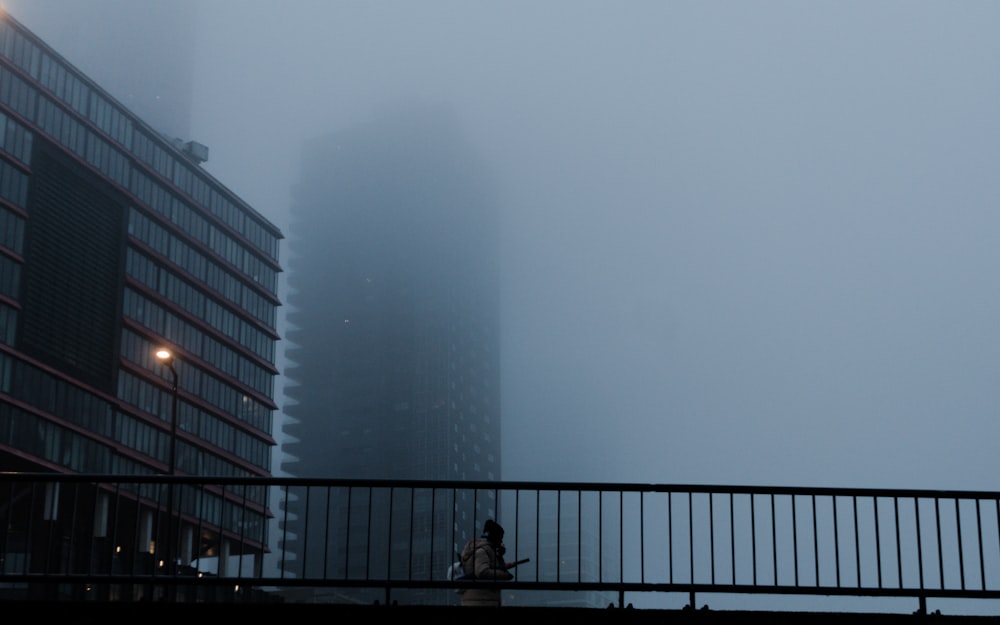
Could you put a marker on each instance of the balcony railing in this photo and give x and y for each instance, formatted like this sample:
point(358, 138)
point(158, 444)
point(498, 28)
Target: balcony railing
point(111, 538)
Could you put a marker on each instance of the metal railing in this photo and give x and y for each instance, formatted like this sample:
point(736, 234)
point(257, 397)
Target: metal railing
point(110, 538)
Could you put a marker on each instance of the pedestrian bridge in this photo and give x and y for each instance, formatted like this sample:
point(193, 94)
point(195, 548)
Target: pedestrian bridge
point(73, 545)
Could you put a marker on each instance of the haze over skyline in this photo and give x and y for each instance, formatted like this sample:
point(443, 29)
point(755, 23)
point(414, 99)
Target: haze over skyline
point(748, 243)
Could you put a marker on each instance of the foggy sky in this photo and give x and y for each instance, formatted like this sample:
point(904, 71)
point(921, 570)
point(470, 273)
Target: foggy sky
point(744, 242)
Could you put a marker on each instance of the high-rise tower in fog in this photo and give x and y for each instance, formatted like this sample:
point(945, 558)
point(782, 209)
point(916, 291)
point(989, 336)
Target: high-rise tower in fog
point(394, 363)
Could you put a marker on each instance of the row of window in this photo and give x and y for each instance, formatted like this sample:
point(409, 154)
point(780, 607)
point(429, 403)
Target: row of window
point(192, 340)
point(8, 324)
point(209, 388)
point(68, 448)
point(63, 82)
point(46, 439)
point(154, 442)
point(57, 397)
point(13, 184)
point(10, 277)
point(11, 231)
point(195, 263)
point(70, 403)
point(190, 220)
point(199, 305)
point(15, 139)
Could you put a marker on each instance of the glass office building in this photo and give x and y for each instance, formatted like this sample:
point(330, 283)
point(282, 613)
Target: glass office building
point(393, 312)
point(115, 242)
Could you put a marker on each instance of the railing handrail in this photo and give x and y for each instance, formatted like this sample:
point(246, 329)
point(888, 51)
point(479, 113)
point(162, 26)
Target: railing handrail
point(631, 487)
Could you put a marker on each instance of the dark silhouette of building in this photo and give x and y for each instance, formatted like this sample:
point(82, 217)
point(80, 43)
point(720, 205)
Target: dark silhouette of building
point(115, 242)
point(393, 339)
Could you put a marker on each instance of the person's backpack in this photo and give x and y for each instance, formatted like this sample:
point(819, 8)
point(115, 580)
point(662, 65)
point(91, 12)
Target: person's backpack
point(456, 573)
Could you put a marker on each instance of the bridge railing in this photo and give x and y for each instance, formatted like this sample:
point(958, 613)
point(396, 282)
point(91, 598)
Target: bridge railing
point(108, 538)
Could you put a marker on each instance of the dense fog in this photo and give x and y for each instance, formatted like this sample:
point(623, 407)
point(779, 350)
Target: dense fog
point(743, 242)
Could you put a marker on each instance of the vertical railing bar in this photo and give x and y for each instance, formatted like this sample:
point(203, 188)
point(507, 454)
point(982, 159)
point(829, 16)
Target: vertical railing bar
point(72, 524)
point(878, 542)
point(559, 535)
point(711, 533)
point(282, 561)
point(899, 546)
point(579, 535)
point(996, 502)
point(50, 489)
point(732, 535)
point(979, 541)
point(201, 516)
point(958, 532)
point(454, 520)
point(113, 512)
point(642, 536)
point(8, 515)
point(368, 535)
point(940, 547)
point(795, 540)
point(920, 542)
point(347, 532)
point(774, 542)
point(305, 530)
point(857, 539)
point(836, 539)
point(432, 527)
point(517, 519)
point(409, 550)
point(538, 529)
point(670, 533)
point(475, 511)
point(137, 520)
point(33, 527)
point(388, 530)
point(326, 532)
point(243, 527)
point(600, 535)
point(690, 539)
point(815, 539)
point(753, 537)
point(621, 536)
point(137, 528)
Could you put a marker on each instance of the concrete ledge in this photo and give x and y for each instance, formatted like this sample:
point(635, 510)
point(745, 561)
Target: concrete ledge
point(153, 613)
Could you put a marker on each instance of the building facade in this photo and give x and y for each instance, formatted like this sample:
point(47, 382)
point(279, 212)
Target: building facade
point(393, 318)
point(115, 242)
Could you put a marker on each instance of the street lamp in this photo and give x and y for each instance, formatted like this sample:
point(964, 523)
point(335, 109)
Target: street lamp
point(167, 358)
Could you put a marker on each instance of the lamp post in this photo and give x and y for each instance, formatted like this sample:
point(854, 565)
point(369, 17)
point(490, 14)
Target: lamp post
point(167, 358)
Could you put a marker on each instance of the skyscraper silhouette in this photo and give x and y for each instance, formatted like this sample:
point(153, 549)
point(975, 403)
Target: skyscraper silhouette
point(393, 322)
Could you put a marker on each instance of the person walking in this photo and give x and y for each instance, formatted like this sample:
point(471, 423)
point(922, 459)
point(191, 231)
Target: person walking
point(482, 559)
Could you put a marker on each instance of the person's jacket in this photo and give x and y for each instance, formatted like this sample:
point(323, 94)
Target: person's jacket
point(480, 561)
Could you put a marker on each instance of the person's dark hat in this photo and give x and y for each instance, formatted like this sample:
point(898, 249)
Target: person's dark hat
point(492, 531)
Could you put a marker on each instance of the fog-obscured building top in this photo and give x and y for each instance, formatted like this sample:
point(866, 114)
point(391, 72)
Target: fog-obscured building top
point(142, 53)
